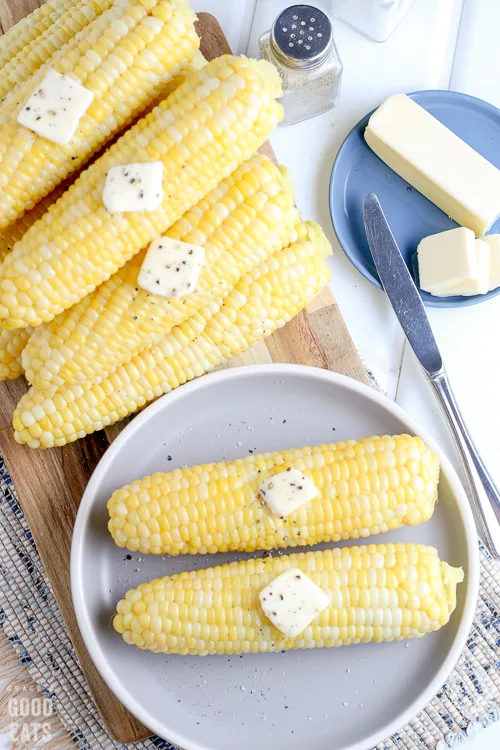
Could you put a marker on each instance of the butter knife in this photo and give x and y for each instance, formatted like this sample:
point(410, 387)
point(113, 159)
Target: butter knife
point(408, 306)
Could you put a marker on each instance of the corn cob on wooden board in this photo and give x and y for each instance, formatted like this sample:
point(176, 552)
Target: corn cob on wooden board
point(50, 483)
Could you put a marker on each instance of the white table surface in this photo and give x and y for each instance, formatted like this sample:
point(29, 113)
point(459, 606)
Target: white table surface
point(440, 44)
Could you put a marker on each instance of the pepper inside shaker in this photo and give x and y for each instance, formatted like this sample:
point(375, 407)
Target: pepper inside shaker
point(301, 46)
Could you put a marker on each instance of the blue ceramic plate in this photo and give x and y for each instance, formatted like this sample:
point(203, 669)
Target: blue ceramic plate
point(357, 171)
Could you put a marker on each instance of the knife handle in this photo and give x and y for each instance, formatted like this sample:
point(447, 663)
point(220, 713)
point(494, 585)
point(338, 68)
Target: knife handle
point(484, 494)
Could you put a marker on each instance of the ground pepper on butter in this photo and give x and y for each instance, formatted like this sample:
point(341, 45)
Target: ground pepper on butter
point(292, 601)
point(134, 187)
point(171, 268)
point(56, 107)
point(286, 491)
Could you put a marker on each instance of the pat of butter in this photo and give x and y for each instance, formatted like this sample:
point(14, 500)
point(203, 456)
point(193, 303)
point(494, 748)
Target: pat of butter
point(438, 163)
point(447, 259)
point(56, 107)
point(134, 187)
point(292, 601)
point(453, 263)
point(286, 491)
point(493, 242)
point(171, 268)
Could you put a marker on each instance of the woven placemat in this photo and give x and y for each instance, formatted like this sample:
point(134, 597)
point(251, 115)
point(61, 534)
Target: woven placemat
point(31, 619)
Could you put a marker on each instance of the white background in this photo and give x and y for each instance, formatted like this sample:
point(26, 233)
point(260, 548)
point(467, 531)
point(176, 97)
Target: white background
point(440, 44)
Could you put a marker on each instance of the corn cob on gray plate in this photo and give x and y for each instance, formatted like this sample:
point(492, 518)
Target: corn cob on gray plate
point(335, 698)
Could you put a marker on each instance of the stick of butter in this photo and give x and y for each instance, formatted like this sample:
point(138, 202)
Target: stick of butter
point(453, 263)
point(438, 163)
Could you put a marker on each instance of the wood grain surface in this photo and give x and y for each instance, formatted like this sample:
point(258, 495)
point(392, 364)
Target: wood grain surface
point(12, 11)
point(50, 483)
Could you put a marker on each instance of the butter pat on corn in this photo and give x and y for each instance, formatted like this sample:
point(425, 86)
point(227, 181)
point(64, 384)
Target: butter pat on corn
point(292, 601)
point(438, 163)
point(171, 268)
point(134, 187)
point(56, 107)
point(286, 491)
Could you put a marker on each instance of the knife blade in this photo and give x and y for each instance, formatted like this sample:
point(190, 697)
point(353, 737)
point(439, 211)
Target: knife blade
point(409, 308)
point(400, 287)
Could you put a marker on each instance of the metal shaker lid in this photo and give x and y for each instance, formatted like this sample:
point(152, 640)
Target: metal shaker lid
point(301, 36)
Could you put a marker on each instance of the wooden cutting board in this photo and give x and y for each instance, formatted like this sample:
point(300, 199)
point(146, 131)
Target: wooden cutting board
point(50, 483)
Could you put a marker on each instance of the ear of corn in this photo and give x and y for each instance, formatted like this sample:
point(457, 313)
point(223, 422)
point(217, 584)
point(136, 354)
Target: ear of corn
point(211, 123)
point(262, 301)
point(12, 344)
point(47, 40)
point(245, 219)
point(125, 55)
point(364, 488)
point(190, 65)
point(383, 592)
point(14, 232)
point(20, 36)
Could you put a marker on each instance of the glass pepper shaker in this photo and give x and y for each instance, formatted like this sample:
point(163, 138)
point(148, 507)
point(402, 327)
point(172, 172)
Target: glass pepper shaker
point(301, 46)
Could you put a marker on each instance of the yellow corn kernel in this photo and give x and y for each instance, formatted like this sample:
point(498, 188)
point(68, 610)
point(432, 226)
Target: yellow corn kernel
point(263, 300)
point(208, 126)
point(227, 597)
point(244, 220)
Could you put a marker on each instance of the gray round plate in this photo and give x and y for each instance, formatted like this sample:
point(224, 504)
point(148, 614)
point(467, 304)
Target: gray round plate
point(323, 699)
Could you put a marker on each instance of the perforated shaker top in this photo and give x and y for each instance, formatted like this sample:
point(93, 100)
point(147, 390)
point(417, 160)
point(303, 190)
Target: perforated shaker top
point(302, 36)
